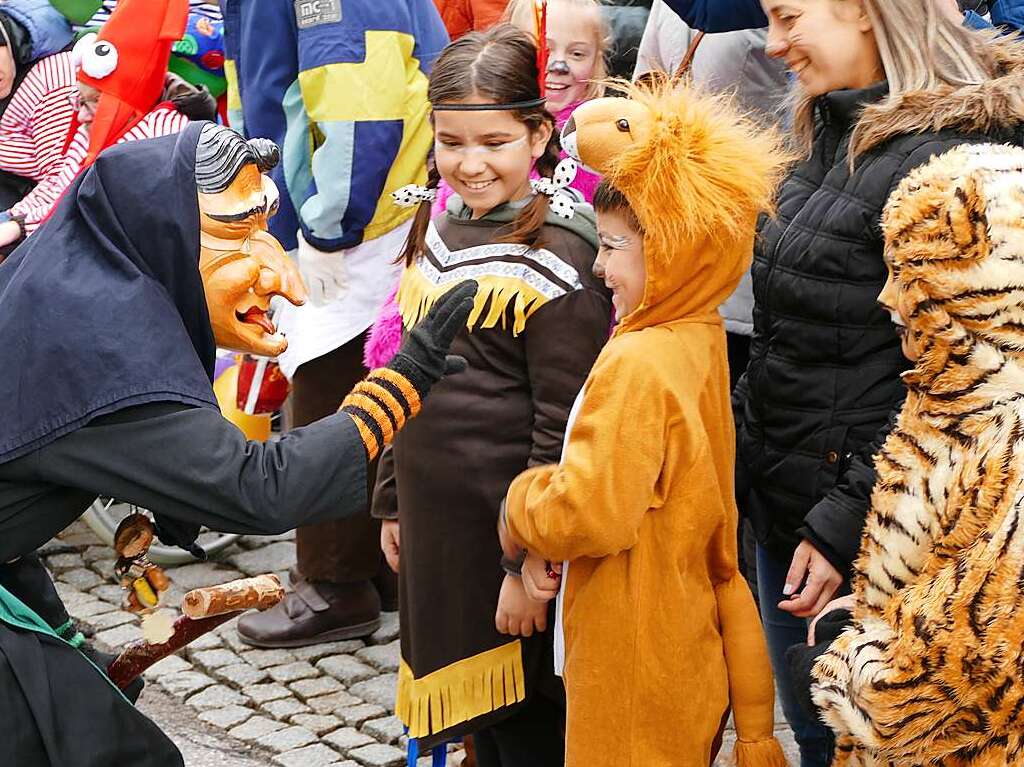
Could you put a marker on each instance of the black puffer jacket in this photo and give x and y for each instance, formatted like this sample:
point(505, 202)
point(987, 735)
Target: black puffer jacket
point(825, 361)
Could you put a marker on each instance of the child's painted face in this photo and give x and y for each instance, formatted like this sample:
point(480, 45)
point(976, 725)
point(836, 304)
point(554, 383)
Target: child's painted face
point(573, 50)
point(486, 157)
point(620, 260)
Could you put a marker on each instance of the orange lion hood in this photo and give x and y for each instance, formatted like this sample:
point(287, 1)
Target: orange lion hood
point(696, 172)
point(127, 63)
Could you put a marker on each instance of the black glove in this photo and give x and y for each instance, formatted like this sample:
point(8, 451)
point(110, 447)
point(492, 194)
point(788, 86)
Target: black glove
point(801, 658)
point(103, 660)
point(173, 532)
point(423, 357)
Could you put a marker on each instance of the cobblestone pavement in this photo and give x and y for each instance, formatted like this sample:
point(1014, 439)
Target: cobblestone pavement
point(330, 705)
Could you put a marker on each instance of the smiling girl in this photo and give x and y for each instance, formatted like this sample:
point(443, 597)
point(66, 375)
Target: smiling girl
point(475, 655)
point(577, 40)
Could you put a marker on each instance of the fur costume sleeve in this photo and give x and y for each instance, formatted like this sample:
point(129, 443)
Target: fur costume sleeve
point(592, 504)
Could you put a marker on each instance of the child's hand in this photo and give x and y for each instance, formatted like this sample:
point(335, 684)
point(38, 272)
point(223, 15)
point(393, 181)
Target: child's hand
point(539, 585)
point(389, 542)
point(517, 614)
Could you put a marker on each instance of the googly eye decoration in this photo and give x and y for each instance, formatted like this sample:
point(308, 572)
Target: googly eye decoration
point(84, 42)
point(97, 58)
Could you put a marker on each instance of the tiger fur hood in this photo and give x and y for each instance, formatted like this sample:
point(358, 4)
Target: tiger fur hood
point(931, 671)
point(991, 108)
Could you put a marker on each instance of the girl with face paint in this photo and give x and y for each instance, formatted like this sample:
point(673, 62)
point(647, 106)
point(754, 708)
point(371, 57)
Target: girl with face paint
point(577, 41)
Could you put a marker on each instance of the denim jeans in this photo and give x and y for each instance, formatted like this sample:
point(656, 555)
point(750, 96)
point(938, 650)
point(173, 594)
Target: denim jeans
point(783, 630)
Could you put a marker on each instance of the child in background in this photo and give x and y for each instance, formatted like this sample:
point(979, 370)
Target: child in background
point(475, 658)
point(661, 634)
point(577, 39)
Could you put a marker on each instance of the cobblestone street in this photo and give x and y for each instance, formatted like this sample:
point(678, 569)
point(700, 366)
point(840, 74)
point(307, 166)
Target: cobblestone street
point(324, 706)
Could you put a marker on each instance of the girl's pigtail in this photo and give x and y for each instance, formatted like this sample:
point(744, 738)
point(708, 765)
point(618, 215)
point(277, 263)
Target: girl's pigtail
point(526, 229)
point(416, 242)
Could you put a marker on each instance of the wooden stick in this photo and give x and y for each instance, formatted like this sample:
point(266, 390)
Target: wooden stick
point(210, 607)
point(140, 655)
point(258, 593)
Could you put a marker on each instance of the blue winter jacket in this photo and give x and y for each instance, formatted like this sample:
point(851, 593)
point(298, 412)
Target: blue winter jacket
point(728, 15)
point(49, 30)
point(341, 86)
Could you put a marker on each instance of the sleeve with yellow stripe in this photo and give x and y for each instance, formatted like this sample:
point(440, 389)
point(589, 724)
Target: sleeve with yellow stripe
point(380, 405)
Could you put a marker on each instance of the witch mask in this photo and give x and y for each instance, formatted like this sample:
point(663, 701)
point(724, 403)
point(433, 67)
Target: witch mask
point(242, 265)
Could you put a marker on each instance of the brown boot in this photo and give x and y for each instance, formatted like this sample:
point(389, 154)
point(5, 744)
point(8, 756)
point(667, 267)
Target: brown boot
point(314, 613)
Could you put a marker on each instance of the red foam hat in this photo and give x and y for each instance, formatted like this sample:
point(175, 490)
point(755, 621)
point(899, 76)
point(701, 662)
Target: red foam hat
point(127, 63)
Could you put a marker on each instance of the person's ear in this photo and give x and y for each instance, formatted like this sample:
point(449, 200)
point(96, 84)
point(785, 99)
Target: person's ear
point(863, 18)
point(539, 139)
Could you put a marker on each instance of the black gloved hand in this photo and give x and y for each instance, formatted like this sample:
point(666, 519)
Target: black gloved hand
point(103, 660)
point(423, 357)
point(173, 532)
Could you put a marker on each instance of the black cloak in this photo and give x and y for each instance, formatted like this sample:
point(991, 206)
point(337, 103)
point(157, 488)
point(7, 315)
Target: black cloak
point(103, 307)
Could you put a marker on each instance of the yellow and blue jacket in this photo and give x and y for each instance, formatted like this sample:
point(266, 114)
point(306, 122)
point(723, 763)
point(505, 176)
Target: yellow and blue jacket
point(341, 86)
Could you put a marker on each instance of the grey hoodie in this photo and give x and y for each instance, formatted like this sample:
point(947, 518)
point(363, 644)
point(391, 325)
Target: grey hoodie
point(725, 61)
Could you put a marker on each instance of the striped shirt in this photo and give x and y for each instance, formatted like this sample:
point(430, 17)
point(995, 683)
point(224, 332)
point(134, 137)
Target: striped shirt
point(37, 204)
point(35, 125)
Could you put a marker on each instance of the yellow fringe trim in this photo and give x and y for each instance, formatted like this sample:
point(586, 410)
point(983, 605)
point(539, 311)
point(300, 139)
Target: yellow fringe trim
point(462, 691)
point(416, 295)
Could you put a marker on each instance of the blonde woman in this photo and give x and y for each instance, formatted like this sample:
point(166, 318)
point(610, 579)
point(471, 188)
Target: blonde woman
point(882, 85)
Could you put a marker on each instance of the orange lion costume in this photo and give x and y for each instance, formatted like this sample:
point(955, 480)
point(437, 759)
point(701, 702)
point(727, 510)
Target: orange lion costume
point(662, 637)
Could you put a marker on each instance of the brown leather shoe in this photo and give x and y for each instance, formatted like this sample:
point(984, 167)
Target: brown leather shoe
point(314, 613)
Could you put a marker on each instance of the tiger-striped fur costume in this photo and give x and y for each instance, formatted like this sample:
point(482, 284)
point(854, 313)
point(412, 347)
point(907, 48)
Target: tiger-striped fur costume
point(931, 672)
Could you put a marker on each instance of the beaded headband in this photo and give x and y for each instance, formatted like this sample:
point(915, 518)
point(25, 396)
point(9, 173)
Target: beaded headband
point(510, 107)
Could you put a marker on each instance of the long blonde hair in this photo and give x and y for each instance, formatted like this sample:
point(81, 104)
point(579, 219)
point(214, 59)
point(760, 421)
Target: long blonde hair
point(520, 13)
point(921, 49)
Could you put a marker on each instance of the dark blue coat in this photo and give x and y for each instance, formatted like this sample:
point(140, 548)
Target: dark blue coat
point(727, 15)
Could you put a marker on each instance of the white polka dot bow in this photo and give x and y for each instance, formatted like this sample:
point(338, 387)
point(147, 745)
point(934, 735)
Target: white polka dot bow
point(562, 203)
point(413, 194)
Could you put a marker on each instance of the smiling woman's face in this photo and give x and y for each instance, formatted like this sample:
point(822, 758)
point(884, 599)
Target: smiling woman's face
point(243, 266)
point(828, 44)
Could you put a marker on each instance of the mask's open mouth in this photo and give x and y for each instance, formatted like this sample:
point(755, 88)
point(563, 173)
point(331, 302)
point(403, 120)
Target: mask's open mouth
point(256, 316)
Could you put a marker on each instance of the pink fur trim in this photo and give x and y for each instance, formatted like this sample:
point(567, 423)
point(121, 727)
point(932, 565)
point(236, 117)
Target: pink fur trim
point(385, 335)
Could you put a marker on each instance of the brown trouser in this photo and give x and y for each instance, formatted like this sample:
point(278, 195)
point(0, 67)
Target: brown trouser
point(345, 550)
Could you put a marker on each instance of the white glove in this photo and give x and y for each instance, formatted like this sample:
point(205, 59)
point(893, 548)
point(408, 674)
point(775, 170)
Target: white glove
point(323, 273)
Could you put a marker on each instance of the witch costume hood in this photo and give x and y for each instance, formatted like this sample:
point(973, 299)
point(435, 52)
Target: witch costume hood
point(103, 307)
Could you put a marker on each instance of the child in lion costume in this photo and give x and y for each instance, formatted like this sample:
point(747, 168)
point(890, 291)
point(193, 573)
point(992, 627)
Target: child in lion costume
point(931, 671)
point(662, 638)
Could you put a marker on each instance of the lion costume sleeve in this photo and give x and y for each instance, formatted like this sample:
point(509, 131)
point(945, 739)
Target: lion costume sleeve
point(931, 672)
